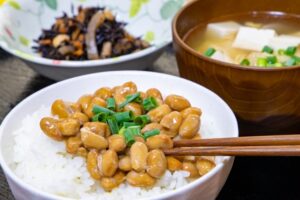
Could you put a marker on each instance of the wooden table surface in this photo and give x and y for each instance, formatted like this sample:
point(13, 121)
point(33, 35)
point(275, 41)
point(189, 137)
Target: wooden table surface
point(250, 179)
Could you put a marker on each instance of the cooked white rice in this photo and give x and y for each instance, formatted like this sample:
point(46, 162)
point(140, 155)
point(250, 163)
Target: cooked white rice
point(43, 163)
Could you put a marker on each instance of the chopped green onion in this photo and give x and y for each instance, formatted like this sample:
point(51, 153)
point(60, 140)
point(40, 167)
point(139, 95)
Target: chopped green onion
point(129, 138)
point(122, 131)
point(290, 62)
point(271, 60)
point(151, 133)
point(209, 52)
point(290, 51)
point(261, 62)
point(128, 124)
point(113, 124)
point(100, 117)
point(267, 49)
point(136, 130)
point(111, 103)
point(96, 117)
point(142, 120)
point(130, 134)
point(137, 100)
point(123, 116)
point(278, 65)
point(149, 103)
point(281, 51)
point(245, 62)
point(129, 99)
point(99, 109)
point(297, 58)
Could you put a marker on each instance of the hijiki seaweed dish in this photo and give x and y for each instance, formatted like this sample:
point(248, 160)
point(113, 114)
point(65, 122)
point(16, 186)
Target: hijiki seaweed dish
point(94, 33)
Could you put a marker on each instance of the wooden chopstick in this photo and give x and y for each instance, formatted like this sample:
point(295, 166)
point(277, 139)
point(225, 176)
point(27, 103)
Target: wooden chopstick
point(293, 150)
point(272, 145)
point(273, 140)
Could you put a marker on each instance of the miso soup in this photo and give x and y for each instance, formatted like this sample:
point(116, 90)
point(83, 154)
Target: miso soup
point(261, 39)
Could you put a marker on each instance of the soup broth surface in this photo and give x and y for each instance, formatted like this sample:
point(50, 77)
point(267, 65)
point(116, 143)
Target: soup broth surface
point(200, 40)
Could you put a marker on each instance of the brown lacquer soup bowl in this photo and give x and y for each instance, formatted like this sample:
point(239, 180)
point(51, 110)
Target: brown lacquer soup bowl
point(270, 96)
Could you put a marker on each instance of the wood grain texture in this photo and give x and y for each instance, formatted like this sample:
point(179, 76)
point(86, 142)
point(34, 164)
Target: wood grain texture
point(292, 150)
point(268, 96)
point(241, 141)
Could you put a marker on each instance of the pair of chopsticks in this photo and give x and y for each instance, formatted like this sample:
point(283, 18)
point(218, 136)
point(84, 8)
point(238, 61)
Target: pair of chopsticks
point(274, 145)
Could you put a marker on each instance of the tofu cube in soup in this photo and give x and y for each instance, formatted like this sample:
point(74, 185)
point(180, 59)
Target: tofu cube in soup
point(253, 39)
point(220, 56)
point(284, 41)
point(223, 29)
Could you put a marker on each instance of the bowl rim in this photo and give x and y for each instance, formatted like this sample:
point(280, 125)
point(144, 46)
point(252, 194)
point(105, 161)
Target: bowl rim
point(179, 41)
point(11, 175)
point(87, 63)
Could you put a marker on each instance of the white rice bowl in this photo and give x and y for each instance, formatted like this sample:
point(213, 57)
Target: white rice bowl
point(38, 168)
point(44, 164)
